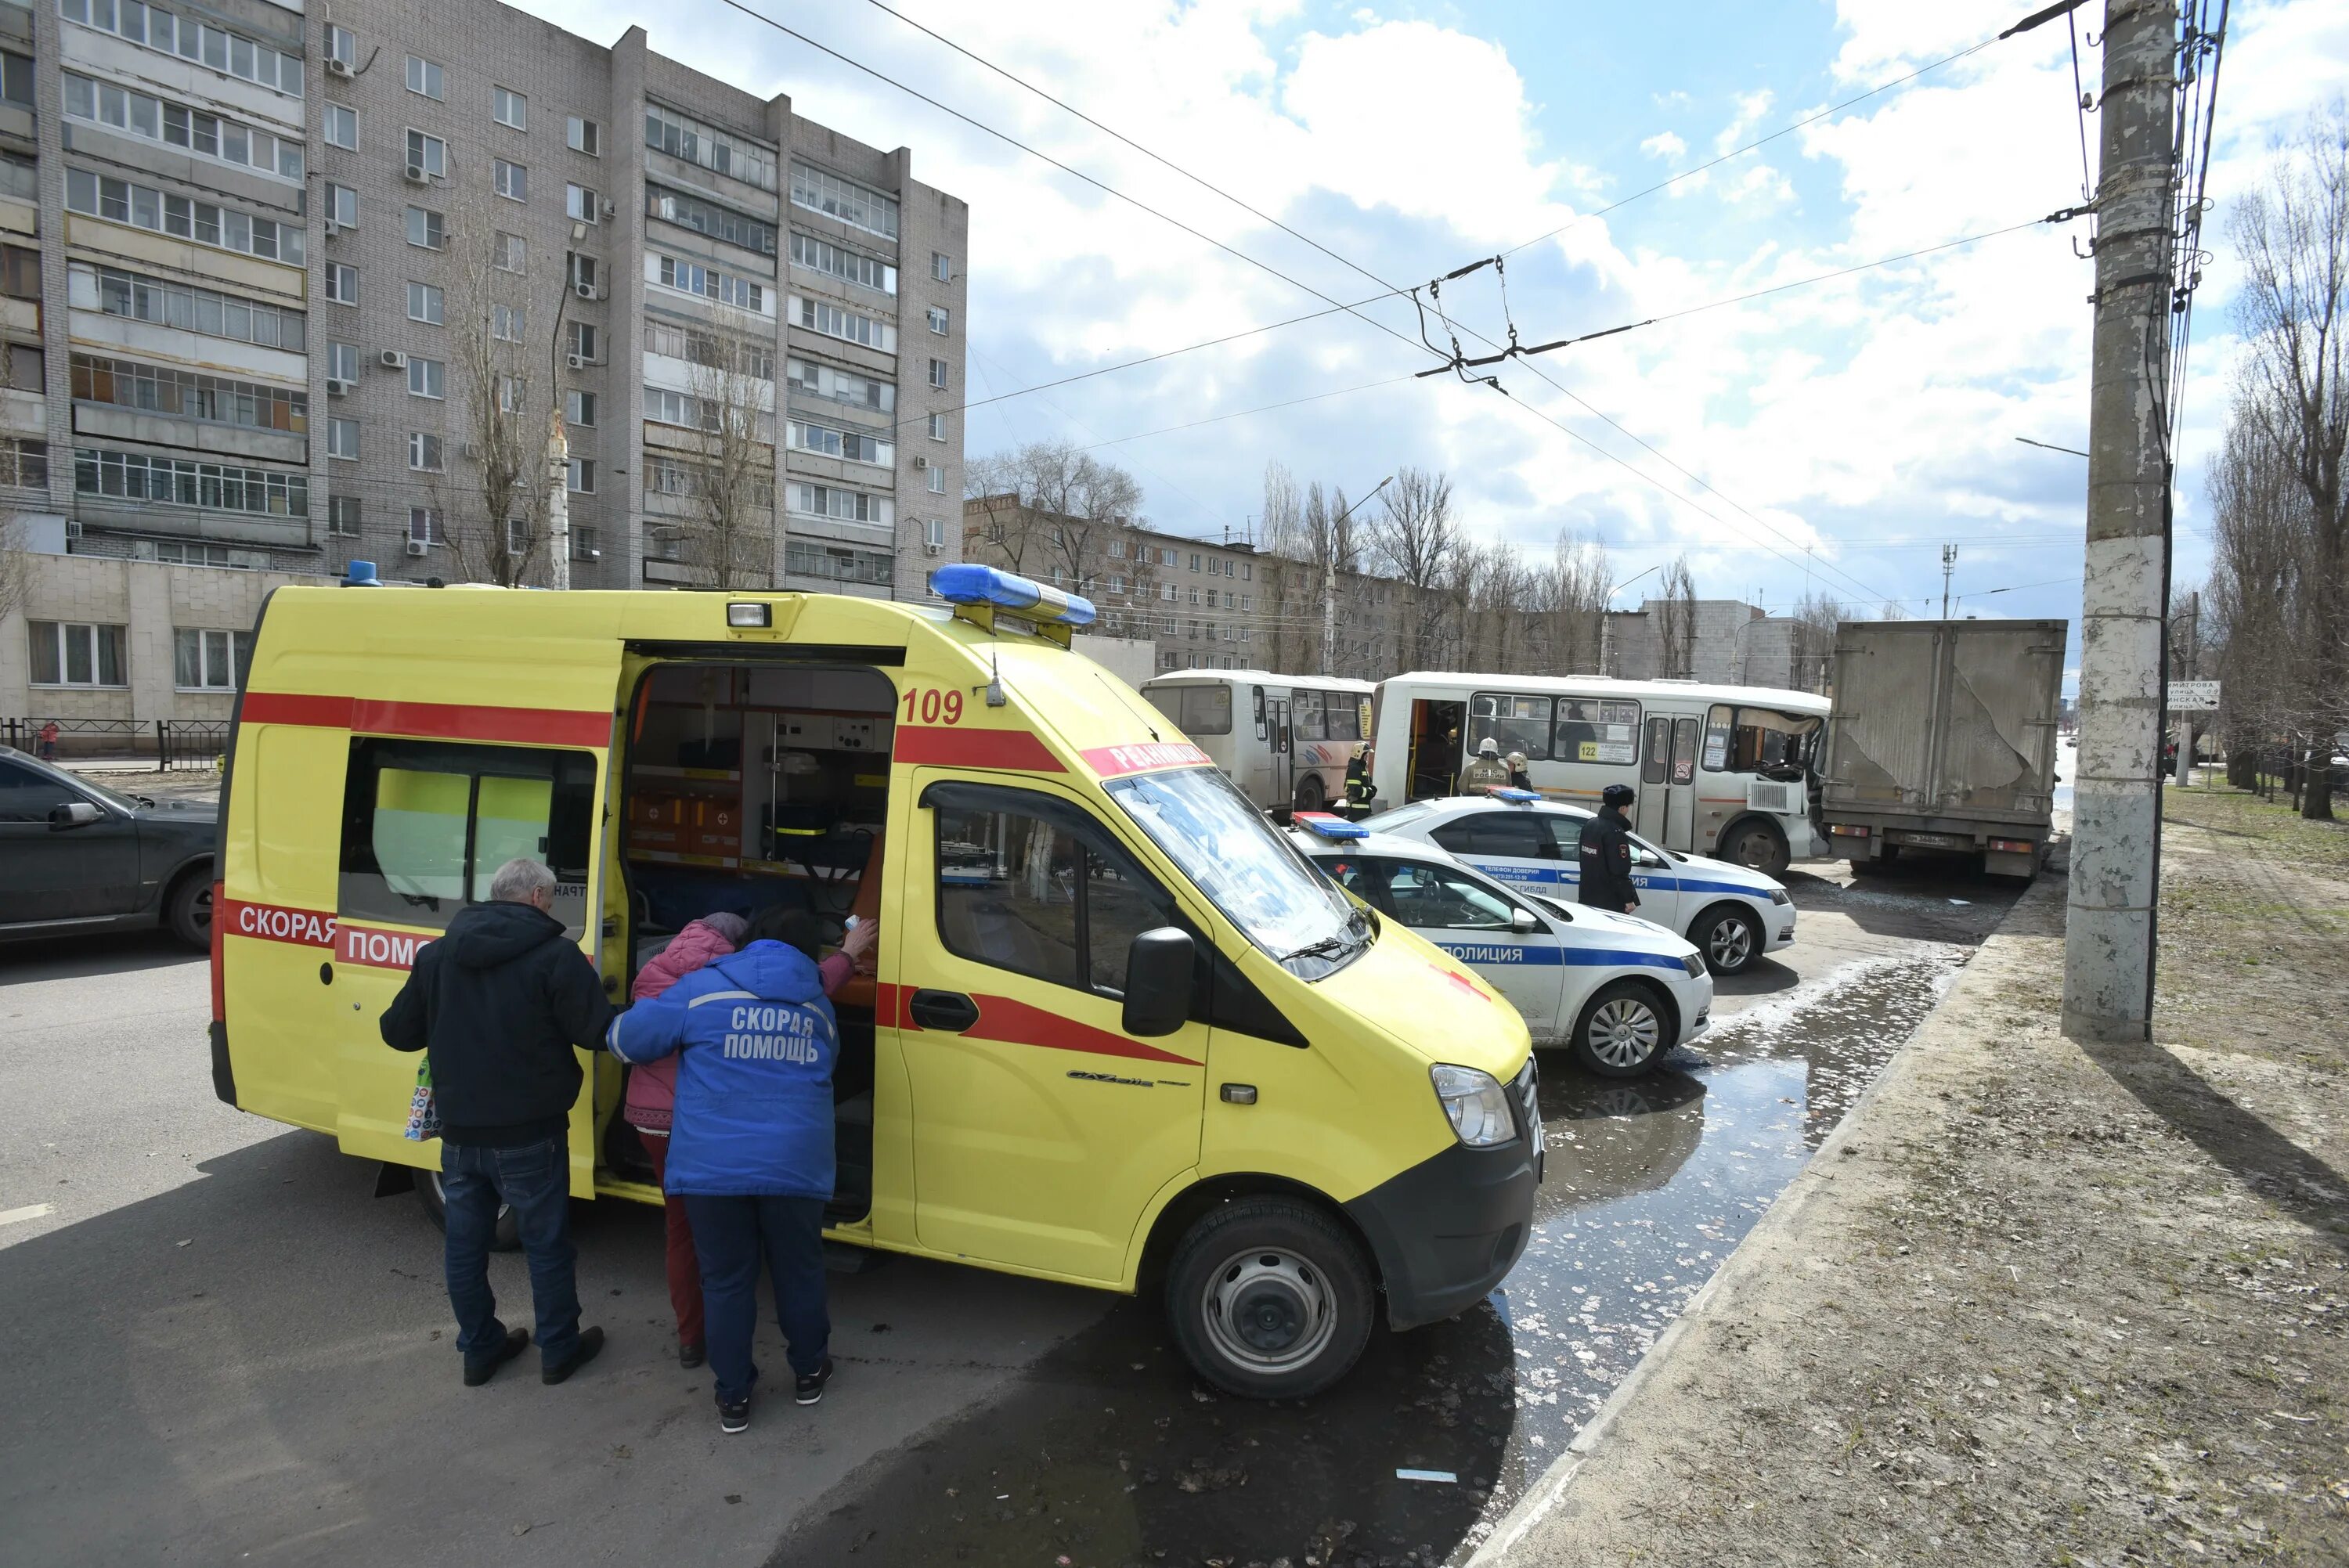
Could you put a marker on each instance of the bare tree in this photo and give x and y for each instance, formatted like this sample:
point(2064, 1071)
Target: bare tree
point(1569, 599)
point(2292, 233)
point(730, 397)
point(1054, 508)
point(1414, 540)
point(15, 564)
point(1676, 621)
point(1810, 641)
point(498, 532)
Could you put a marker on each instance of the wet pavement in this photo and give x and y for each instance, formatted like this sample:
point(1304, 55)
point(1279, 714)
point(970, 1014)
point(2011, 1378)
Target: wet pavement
point(1108, 1452)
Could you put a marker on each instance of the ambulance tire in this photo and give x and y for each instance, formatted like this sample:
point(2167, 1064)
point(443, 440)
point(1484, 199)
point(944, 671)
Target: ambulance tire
point(427, 1190)
point(1270, 1298)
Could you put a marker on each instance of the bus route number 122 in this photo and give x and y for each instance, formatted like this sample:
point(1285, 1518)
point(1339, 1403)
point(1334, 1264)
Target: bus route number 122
point(928, 704)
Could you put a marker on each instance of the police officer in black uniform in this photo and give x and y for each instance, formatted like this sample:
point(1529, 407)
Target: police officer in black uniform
point(1607, 853)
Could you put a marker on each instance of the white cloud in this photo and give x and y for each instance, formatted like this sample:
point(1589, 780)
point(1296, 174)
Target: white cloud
point(1666, 146)
point(1672, 100)
point(1751, 108)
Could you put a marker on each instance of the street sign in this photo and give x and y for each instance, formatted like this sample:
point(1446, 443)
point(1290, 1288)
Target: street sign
point(2193, 696)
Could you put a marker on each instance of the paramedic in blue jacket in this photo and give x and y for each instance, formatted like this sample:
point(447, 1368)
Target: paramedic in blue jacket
point(751, 1144)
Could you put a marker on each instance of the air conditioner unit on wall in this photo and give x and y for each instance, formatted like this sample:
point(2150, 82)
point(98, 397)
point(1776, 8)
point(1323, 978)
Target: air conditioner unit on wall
point(419, 175)
point(392, 359)
point(934, 548)
point(920, 461)
point(336, 67)
point(587, 290)
point(333, 228)
point(417, 547)
point(337, 387)
point(577, 361)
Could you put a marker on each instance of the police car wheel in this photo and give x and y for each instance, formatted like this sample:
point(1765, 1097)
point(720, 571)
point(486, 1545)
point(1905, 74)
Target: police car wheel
point(1269, 1298)
point(1729, 937)
point(427, 1190)
point(1621, 1032)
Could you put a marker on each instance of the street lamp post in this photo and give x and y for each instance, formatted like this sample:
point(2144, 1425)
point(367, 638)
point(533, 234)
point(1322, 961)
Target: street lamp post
point(1329, 581)
point(1607, 616)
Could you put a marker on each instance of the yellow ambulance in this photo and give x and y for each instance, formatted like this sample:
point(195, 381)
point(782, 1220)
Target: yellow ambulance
point(1121, 1034)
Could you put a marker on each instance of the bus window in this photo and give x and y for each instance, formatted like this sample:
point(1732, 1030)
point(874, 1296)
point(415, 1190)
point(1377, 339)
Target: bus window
point(1305, 715)
point(1345, 717)
point(1760, 740)
point(1597, 730)
point(1513, 723)
point(1207, 710)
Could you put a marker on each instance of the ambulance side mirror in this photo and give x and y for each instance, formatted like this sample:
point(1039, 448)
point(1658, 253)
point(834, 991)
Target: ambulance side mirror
point(1158, 968)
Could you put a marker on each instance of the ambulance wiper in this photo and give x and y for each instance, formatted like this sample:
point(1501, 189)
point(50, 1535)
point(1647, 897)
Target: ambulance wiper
point(1357, 924)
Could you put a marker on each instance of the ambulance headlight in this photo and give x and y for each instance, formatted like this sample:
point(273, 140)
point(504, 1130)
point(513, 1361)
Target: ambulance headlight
point(1477, 1105)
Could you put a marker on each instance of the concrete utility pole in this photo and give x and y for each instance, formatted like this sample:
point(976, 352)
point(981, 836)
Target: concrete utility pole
point(558, 499)
point(1949, 564)
point(2108, 946)
point(1329, 582)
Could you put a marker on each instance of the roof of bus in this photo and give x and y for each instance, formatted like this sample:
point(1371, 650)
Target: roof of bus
point(1607, 685)
point(1262, 677)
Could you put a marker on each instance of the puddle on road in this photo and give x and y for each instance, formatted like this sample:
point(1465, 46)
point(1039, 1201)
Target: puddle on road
point(1108, 1453)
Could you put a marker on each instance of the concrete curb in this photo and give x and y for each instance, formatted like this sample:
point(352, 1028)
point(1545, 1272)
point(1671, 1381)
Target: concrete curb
point(1757, 1252)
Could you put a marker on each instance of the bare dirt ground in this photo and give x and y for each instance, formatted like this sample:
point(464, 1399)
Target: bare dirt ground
point(2036, 1304)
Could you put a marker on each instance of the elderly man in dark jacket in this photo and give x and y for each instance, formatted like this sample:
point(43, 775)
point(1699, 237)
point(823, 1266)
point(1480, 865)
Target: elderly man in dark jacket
point(503, 1002)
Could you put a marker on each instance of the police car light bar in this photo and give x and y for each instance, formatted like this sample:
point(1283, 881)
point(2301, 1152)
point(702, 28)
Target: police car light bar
point(1327, 826)
point(971, 583)
point(1517, 797)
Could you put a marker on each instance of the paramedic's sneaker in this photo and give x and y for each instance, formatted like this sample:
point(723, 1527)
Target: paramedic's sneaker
point(734, 1418)
point(479, 1372)
point(810, 1386)
point(591, 1340)
point(692, 1353)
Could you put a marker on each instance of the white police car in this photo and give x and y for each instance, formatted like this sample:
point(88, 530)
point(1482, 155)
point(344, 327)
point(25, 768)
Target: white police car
point(1614, 990)
point(1733, 914)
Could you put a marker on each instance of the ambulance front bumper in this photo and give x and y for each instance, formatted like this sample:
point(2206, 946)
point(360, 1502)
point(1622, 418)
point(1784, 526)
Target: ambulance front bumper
point(1449, 1229)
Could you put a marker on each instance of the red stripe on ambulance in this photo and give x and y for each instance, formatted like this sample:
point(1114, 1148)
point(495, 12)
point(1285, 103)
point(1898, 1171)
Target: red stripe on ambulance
point(949, 746)
point(1142, 756)
point(432, 720)
point(375, 947)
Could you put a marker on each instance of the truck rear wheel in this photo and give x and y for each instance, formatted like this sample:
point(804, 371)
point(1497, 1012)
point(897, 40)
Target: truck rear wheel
point(427, 1191)
point(1269, 1298)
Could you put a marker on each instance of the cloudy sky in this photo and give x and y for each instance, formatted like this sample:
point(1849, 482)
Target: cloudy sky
point(1827, 437)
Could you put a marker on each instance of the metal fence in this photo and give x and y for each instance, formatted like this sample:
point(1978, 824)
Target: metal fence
point(174, 743)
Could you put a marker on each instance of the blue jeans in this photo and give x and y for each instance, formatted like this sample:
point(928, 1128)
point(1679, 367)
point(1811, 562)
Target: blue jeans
point(536, 1180)
point(728, 1235)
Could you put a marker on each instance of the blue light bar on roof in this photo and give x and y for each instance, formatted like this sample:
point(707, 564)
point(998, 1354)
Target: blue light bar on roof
point(971, 583)
point(1323, 825)
point(1515, 796)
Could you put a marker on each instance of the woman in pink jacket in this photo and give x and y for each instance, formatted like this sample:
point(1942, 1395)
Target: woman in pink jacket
point(652, 1092)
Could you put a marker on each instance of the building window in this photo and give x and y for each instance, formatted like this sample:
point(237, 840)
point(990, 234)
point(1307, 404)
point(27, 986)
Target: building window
point(426, 379)
point(342, 362)
point(579, 408)
point(424, 76)
point(170, 34)
point(341, 47)
point(838, 503)
point(933, 533)
point(857, 205)
point(342, 128)
point(342, 205)
point(508, 107)
point(511, 252)
point(581, 205)
point(205, 223)
point(428, 156)
point(719, 151)
point(343, 515)
point(850, 446)
point(20, 272)
point(942, 266)
point(19, 177)
point(67, 652)
point(709, 218)
point(583, 340)
point(179, 125)
point(584, 136)
point(510, 181)
point(837, 564)
point(342, 283)
point(24, 463)
point(209, 661)
point(513, 392)
point(424, 452)
point(839, 261)
point(938, 373)
point(938, 319)
point(812, 380)
point(425, 302)
point(938, 481)
point(426, 228)
point(583, 545)
point(584, 272)
point(342, 441)
point(693, 278)
point(833, 322)
point(424, 525)
point(937, 426)
point(582, 479)
point(179, 482)
point(183, 393)
point(506, 322)
point(25, 368)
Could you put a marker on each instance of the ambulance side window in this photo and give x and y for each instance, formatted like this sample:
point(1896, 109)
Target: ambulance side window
point(1029, 884)
point(427, 824)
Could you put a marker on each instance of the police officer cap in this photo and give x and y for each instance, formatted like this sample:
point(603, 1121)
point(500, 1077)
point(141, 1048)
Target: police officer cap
point(1617, 795)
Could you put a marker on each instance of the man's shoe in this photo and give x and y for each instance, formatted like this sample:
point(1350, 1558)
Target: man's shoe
point(479, 1372)
point(810, 1388)
point(734, 1418)
point(591, 1340)
point(692, 1353)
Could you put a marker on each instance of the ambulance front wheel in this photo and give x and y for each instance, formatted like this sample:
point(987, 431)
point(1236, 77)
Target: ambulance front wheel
point(1269, 1298)
point(427, 1190)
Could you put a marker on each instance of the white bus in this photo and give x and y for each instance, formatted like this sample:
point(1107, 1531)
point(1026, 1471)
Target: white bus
point(1720, 770)
point(1284, 739)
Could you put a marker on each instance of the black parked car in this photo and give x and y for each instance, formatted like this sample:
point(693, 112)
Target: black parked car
point(76, 856)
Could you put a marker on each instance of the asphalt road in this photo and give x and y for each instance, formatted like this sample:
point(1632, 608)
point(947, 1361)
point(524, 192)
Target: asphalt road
point(223, 1349)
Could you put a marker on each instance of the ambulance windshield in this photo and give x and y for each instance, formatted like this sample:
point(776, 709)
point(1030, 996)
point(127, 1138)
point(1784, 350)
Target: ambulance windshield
point(1244, 867)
